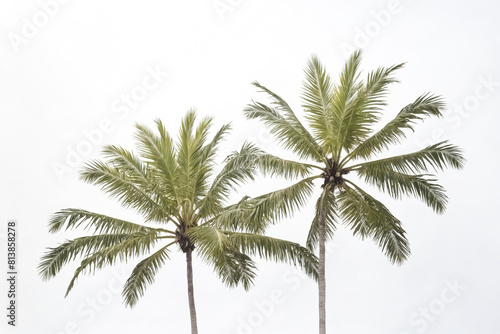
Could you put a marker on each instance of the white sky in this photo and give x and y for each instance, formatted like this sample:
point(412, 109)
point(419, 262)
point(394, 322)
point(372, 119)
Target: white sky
point(67, 77)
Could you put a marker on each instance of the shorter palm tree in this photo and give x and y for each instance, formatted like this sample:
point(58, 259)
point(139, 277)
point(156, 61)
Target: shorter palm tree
point(170, 184)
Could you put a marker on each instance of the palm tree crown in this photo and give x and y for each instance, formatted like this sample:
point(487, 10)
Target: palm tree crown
point(341, 140)
point(173, 186)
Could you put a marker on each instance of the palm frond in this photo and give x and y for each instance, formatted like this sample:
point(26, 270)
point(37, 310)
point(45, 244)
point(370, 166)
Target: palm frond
point(144, 275)
point(328, 203)
point(343, 97)
point(138, 173)
point(231, 266)
point(101, 224)
point(394, 131)
point(255, 214)
point(317, 96)
point(159, 152)
point(134, 245)
point(286, 131)
point(368, 217)
point(55, 258)
point(290, 117)
point(239, 167)
point(271, 165)
point(276, 250)
point(206, 163)
point(397, 185)
point(190, 144)
point(117, 183)
point(438, 156)
point(362, 104)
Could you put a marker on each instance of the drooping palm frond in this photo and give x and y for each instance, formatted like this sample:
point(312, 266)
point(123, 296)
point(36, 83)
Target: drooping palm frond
point(326, 202)
point(368, 217)
point(397, 185)
point(136, 244)
point(144, 275)
point(55, 258)
point(276, 250)
point(394, 131)
point(231, 265)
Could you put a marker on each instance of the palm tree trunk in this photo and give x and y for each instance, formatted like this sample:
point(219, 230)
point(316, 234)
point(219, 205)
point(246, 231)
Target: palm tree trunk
point(321, 272)
point(192, 309)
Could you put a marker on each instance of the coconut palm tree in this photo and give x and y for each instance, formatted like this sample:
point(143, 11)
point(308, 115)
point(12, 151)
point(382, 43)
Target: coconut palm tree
point(172, 185)
point(342, 140)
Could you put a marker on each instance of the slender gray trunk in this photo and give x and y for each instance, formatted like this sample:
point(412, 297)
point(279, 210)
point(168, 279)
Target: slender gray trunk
point(192, 309)
point(321, 272)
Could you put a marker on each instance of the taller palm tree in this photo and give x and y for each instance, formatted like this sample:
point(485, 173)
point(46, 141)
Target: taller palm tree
point(342, 141)
point(170, 184)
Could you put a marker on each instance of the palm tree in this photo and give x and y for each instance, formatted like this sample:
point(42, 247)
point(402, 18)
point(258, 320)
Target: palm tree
point(169, 184)
point(342, 139)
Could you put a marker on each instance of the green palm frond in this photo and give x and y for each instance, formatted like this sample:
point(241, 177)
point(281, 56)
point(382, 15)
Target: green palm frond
point(255, 214)
point(117, 183)
point(286, 131)
point(327, 202)
point(101, 224)
point(342, 100)
point(394, 131)
point(134, 245)
point(368, 217)
point(238, 169)
point(190, 145)
point(144, 275)
point(55, 258)
point(397, 184)
point(363, 106)
point(280, 203)
point(438, 156)
point(317, 102)
point(138, 173)
point(235, 217)
point(276, 250)
point(160, 153)
point(271, 165)
point(205, 161)
point(231, 266)
point(291, 118)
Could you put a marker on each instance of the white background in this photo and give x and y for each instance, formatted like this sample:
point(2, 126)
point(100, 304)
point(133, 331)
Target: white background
point(64, 76)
